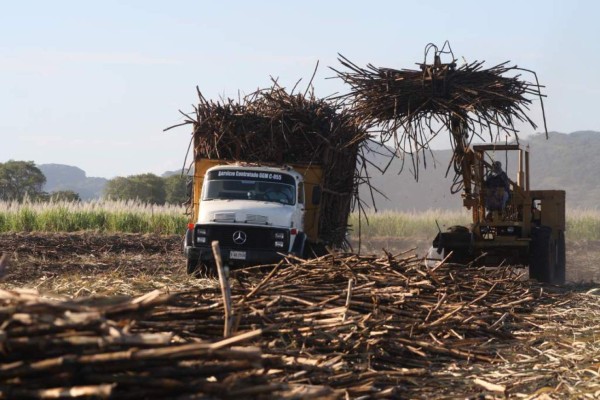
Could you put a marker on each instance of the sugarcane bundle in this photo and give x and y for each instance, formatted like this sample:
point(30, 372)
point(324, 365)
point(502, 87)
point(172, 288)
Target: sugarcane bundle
point(408, 108)
point(273, 126)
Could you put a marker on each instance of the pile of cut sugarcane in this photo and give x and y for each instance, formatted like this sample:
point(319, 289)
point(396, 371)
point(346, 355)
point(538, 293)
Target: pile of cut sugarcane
point(340, 325)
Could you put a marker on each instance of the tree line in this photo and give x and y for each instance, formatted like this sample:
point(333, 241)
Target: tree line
point(20, 180)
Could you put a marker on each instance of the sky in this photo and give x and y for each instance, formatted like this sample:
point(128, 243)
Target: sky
point(93, 83)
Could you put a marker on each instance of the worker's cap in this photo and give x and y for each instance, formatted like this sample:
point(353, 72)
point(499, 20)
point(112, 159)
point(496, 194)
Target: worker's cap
point(497, 165)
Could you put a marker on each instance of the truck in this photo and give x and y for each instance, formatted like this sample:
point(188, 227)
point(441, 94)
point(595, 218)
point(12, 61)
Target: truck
point(258, 212)
point(273, 173)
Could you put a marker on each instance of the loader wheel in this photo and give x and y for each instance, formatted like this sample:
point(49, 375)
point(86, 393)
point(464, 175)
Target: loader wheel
point(457, 240)
point(561, 260)
point(540, 251)
point(545, 265)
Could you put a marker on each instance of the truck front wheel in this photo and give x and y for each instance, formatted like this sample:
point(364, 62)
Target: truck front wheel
point(192, 266)
point(314, 250)
point(299, 246)
point(200, 269)
point(191, 261)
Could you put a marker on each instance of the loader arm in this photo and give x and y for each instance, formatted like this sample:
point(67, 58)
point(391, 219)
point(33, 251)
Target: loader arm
point(463, 154)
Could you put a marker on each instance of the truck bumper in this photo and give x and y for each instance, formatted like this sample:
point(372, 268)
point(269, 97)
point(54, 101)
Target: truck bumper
point(250, 257)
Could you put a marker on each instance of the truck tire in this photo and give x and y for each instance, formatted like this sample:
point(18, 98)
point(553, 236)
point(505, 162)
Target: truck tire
point(187, 239)
point(299, 246)
point(542, 266)
point(314, 250)
point(200, 269)
point(191, 263)
point(191, 266)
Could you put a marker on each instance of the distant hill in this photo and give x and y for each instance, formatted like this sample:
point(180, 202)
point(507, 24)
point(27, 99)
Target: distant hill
point(66, 177)
point(570, 162)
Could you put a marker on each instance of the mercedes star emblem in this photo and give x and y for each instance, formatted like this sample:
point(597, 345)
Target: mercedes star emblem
point(239, 237)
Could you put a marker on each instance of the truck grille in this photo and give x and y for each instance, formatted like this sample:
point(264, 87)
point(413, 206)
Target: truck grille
point(242, 237)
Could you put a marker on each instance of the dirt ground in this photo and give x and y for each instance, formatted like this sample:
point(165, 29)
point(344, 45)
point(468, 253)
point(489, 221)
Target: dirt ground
point(83, 264)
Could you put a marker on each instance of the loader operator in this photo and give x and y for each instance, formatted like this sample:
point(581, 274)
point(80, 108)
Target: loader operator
point(497, 188)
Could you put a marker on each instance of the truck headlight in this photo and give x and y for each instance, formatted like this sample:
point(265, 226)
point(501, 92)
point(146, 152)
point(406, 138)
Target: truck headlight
point(278, 243)
point(279, 235)
point(201, 239)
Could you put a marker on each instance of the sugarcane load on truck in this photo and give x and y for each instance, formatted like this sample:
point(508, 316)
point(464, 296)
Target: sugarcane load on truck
point(511, 223)
point(273, 174)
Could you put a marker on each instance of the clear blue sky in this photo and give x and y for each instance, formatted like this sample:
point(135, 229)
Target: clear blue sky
point(92, 84)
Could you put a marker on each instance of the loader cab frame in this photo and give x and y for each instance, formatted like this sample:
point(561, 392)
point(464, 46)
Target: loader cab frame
point(529, 230)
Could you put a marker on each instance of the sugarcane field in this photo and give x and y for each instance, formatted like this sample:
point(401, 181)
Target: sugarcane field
point(279, 278)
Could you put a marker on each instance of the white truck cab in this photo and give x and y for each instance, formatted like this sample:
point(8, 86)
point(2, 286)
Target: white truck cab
point(257, 213)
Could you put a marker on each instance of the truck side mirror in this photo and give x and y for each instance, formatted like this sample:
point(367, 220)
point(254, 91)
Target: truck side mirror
point(316, 195)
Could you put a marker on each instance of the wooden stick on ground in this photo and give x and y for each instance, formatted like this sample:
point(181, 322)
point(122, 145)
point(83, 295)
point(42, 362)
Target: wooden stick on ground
point(3, 264)
point(348, 298)
point(225, 289)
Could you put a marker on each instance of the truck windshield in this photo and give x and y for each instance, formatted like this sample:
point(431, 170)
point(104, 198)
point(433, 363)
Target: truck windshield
point(248, 189)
